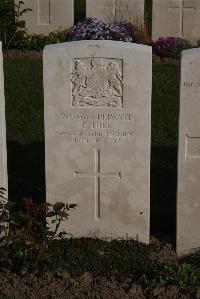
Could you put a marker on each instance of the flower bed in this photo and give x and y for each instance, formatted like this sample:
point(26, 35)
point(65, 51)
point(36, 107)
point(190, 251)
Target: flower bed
point(170, 47)
point(94, 29)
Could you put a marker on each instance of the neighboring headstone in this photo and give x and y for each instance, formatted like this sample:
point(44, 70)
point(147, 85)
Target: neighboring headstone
point(48, 15)
point(116, 10)
point(97, 135)
point(3, 152)
point(177, 18)
point(188, 206)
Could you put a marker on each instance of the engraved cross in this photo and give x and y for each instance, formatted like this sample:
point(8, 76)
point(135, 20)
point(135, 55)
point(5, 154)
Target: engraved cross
point(182, 8)
point(97, 175)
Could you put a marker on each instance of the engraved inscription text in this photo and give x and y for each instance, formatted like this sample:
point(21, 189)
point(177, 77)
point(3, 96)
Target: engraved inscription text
point(97, 127)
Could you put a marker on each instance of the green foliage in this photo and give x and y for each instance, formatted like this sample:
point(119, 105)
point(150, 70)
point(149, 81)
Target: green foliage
point(159, 275)
point(187, 277)
point(25, 232)
point(13, 34)
point(10, 24)
point(193, 258)
point(37, 42)
point(29, 246)
point(110, 258)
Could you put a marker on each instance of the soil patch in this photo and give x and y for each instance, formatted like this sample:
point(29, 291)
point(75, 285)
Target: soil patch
point(62, 285)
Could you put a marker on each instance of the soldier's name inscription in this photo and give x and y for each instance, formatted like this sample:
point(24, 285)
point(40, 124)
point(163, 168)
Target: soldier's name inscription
point(98, 127)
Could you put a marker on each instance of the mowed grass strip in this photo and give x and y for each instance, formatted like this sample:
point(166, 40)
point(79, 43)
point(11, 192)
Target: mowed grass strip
point(24, 99)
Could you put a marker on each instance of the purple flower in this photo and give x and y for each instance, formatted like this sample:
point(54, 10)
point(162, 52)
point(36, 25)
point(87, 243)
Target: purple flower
point(170, 46)
point(94, 29)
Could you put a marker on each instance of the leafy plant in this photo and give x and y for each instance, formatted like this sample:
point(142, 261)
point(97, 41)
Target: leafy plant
point(10, 24)
point(159, 275)
point(37, 42)
point(25, 235)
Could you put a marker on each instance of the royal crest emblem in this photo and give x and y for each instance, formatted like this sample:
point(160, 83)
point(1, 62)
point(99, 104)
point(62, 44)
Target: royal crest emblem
point(97, 82)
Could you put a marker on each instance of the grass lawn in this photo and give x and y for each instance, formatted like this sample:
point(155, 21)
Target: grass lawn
point(165, 110)
point(25, 135)
point(79, 9)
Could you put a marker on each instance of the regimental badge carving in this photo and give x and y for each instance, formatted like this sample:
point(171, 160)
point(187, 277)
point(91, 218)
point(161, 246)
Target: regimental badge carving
point(97, 82)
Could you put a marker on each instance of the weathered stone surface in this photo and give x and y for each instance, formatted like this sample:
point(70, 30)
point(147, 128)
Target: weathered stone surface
point(188, 207)
point(97, 131)
point(3, 152)
point(116, 10)
point(48, 15)
point(178, 18)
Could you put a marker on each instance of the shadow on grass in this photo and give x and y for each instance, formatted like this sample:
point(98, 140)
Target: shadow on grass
point(163, 189)
point(26, 171)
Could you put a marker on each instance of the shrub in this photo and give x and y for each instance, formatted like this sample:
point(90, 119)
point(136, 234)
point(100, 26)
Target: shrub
point(25, 236)
point(13, 34)
point(29, 42)
point(170, 47)
point(163, 274)
point(10, 24)
point(94, 29)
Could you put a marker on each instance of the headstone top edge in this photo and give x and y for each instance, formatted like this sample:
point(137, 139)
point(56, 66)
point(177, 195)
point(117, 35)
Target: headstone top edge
point(190, 52)
point(105, 43)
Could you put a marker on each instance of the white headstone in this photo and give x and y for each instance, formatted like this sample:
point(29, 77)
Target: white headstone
point(97, 134)
point(178, 18)
point(3, 152)
point(188, 207)
point(48, 15)
point(116, 10)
